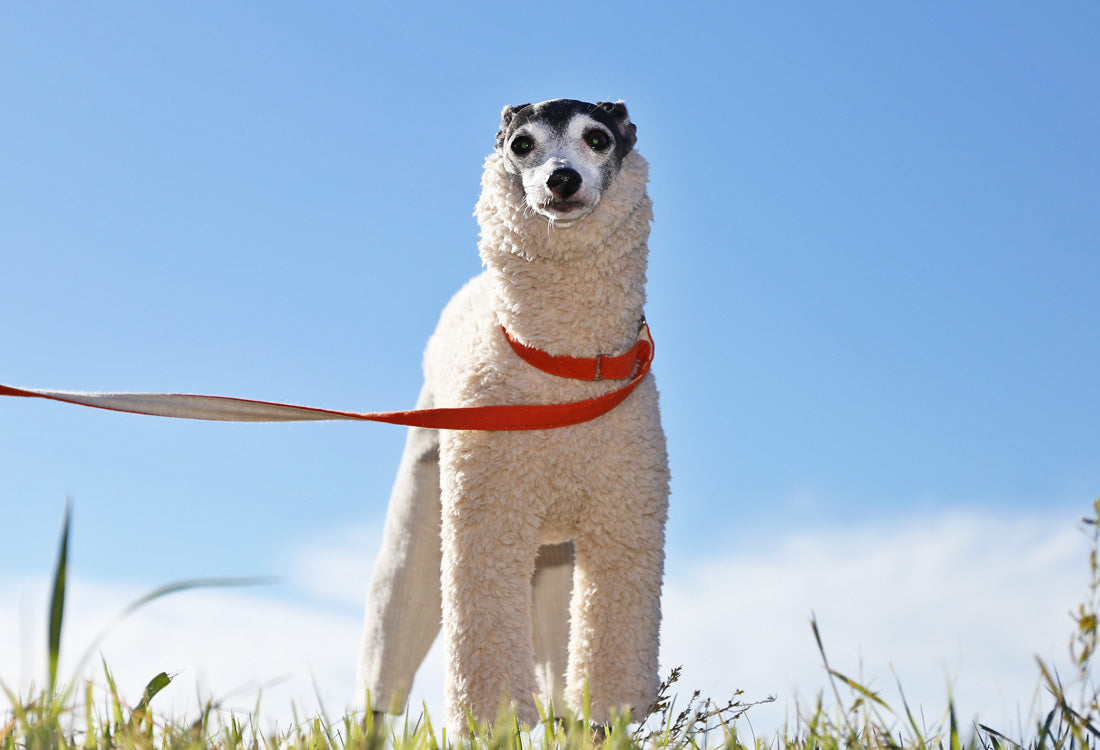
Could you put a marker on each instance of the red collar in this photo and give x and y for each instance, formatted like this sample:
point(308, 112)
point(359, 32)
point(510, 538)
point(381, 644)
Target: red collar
point(600, 367)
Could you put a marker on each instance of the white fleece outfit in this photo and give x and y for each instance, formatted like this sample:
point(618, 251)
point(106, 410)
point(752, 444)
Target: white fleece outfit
point(576, 291)
point(404, 606)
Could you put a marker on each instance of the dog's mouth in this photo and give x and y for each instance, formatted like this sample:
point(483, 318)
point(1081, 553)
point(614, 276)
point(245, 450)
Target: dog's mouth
point(563, 213)
point(564, 207)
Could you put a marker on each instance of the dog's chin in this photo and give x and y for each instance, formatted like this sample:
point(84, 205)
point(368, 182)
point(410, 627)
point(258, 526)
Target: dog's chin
point(564, 213)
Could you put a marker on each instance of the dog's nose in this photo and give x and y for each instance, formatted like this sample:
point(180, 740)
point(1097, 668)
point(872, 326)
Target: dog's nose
point(564, 182)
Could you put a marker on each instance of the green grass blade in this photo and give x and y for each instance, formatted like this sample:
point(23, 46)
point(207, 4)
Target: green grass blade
point(187, 585)
point(917, 732)
point(155, 685)
point(997, 737)
point(866, 692)
point(171, 588)
point(954, 725)
point(115, 704)
point(57, 600)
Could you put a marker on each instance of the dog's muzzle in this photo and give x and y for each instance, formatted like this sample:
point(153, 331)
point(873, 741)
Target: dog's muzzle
point(564, 182)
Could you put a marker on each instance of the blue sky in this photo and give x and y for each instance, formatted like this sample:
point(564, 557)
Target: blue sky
point(873, 279)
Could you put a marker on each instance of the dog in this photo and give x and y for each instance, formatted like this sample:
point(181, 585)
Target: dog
point(564, 218)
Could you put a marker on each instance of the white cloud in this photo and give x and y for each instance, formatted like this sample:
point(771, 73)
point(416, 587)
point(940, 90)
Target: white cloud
point(958, 599)
point(337, 566)
point(230, 644)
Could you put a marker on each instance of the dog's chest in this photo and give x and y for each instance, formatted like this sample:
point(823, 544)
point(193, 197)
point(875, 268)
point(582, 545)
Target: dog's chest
point(547, 478)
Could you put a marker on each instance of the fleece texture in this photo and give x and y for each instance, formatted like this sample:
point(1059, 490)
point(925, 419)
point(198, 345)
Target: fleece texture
point(404, 610)
point(504, 496)
point(577, 291)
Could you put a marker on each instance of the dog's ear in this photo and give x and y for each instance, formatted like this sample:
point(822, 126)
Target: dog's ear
point(627, 129)
point(506, 117)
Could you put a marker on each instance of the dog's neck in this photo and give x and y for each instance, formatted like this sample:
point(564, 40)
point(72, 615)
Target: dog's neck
point(577, 290)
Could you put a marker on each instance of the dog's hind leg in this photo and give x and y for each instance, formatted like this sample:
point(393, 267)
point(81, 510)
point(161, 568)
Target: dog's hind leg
point(403, 602)
point(550, 589)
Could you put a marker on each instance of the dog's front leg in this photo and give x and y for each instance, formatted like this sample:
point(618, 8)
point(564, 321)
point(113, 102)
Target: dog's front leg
point(490, 542)
point(615, 620)
point(615, 615)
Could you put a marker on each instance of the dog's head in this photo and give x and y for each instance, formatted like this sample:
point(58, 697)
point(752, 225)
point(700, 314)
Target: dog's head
point(564, 153)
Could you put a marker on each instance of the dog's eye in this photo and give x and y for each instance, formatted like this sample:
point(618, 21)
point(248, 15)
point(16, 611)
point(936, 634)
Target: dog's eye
point(522, 145)
point(597, 140)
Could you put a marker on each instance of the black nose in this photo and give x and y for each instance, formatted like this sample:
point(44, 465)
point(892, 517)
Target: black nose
point(564, 182)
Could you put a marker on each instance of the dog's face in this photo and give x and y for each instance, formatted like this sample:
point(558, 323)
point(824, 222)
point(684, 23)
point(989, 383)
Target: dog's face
point(564, 153)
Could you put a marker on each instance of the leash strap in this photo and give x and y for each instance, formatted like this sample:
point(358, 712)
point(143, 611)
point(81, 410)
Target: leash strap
point(493, 417)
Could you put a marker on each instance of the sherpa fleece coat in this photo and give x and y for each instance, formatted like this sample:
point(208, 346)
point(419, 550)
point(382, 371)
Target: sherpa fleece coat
point(404, 602)
point(577, 291)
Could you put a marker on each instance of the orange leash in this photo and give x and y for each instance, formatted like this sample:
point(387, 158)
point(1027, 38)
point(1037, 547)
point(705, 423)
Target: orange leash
point(631, 366)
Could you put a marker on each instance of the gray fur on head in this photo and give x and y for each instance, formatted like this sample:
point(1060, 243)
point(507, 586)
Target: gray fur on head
point(506, 116)
point(627, 129)
point(611, 114)
point(564, 154)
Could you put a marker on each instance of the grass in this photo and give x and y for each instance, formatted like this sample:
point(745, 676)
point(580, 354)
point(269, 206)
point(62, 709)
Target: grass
point(74, 714)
